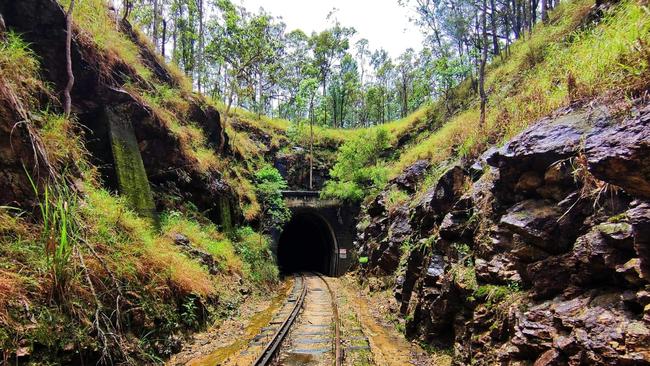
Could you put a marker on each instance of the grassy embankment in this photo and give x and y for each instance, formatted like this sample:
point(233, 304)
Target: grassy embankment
point(574, 57)
point(82, 263)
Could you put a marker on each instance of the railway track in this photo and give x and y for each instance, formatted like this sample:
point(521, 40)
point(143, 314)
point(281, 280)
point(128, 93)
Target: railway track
point(297, 298)
point(306, 329)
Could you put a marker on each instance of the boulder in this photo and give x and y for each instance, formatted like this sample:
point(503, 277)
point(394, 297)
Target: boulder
point(550, 276)
point(203, 257)
point(621, 154)
point(387, 255)
point(529, 181)
point(639, 217)
point(405, 283)
point(523, 162)
point(456, 223)
point(593, 329)
point(412, 176)
point(536, 221)
point(501, 268)
point(594, 260)
point(549, 140)
point(439, 199)
point(377, 206)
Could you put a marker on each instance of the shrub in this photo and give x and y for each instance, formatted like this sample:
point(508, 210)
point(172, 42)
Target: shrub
point(268, 186)
point(358, 170)
point(253, 248)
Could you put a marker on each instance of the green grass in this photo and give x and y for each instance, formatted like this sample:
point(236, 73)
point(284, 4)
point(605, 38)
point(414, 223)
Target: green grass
point(205, 237)
point(19, 73)
point(396, 198)
point(609, 57)
point(254, 249)
point(96, 28)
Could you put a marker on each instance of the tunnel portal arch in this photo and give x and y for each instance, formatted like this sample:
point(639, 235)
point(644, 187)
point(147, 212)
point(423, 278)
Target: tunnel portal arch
point(307, 243)
point(319, 237)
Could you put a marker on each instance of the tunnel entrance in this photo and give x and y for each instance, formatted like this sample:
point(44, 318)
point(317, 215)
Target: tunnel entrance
point(306, 244)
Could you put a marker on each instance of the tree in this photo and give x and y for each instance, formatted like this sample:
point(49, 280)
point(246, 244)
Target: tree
point(405, 74)
point(308, 90)
point(345, 84)
point(67, 106)
point(362, 54)
point(327, 46)
point(482, 94)
point(383, 67)
point(357, 172)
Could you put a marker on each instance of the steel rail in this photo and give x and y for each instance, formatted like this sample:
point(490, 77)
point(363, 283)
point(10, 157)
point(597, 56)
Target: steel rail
point(273, 346)
point(338, 356)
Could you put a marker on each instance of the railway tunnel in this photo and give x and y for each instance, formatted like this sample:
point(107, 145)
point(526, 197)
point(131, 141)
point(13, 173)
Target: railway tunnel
point(318, 238)
point(306, 244)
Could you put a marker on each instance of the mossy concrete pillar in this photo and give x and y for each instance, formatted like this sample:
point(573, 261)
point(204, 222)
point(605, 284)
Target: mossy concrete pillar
point(129, 168)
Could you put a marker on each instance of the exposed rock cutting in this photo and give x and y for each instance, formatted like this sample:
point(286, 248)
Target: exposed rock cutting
point(536, 263)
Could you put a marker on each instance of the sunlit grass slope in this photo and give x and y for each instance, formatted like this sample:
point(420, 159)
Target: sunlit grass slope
point(567, 59)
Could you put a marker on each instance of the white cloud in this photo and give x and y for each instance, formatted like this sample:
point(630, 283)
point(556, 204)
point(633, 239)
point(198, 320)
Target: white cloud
point(384, 23)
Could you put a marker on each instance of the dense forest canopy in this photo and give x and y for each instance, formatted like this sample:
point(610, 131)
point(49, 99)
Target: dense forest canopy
point(252, 60)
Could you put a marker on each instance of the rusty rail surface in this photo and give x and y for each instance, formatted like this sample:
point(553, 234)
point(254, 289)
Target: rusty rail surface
point(274, 344)
point(338, 356)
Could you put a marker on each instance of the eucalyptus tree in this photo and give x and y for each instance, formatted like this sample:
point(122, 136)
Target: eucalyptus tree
point(383, 67)
point(344, 88)
point(405, 70)
point(328, 47)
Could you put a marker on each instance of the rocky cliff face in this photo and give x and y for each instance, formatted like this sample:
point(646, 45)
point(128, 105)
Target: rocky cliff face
point(537, 252)
point(99, 96)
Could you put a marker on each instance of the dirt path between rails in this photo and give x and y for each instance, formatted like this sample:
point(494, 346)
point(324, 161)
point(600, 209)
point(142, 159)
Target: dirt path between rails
point(311, 338)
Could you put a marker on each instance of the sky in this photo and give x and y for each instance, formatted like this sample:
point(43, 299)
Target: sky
point(384, 23)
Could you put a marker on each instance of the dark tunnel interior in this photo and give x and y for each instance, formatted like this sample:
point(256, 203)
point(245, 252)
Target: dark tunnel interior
point(305, 245)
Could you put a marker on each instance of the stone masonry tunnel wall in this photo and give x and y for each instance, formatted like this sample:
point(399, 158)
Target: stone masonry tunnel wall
point(319, 236)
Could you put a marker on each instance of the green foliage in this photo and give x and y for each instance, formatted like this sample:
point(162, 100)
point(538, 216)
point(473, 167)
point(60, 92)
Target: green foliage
point(58, 209)
point(269, 185)
point(358, 170)
point(254, 250)
point(564, 48)
point(204, 236)
point(18, 71)
point(493, 294)
point(395, 198)
point(93, 17)
point(189, 312)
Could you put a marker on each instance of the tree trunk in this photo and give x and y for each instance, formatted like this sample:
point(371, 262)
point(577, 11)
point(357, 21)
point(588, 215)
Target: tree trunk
point(67, 106)
point(164, 38)
point(325, 95)
point(483, 62)
point(533, 12)
point(175, 39)
point(199, 69)
point(544, 11)
point(516, 12)
point(127, 9)
point(154, 32)
point(493, 21)
point(3, 27)
point(311, 143)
